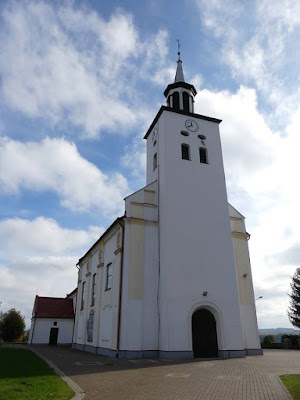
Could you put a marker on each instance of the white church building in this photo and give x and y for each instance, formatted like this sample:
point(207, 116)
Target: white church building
point(172, 277)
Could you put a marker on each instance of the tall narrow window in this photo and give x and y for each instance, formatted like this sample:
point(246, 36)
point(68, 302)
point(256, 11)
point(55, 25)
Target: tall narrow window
point(82, 295)
point(185, 152)
point(203, 155)
point(93, 290)
point(154, 161)
point(108, 276)
point(176, 100)
point(186, 101)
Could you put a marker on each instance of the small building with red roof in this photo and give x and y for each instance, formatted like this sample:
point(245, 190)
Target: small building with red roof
point(52, 320)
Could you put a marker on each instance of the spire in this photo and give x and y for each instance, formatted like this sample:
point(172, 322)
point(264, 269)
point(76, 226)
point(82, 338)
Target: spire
point(179, 77)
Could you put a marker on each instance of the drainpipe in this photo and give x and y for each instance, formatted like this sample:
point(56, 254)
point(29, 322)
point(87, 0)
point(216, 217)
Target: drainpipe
point(121, 285)
point(77, 297)
point(33, 329)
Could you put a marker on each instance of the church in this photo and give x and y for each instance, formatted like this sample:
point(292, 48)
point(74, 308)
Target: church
point(171, 278)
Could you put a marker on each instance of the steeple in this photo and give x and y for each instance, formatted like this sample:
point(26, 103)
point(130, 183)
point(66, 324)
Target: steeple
point(180, 95)
point(179, 77)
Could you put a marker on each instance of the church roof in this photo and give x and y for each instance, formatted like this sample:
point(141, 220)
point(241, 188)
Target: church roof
point(116, 221)
point(53, 307)
point(165, 108)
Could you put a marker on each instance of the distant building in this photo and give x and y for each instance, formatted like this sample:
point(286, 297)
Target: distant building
point(172, 277)
point(52, 320)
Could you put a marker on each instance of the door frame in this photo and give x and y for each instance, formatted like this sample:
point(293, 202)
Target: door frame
point(217, 315)
point(53, 329)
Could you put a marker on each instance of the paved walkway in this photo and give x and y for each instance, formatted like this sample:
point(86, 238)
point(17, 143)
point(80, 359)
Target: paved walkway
point(249, 378)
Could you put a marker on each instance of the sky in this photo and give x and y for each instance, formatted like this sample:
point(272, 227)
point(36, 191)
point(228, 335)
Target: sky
point(80, 83)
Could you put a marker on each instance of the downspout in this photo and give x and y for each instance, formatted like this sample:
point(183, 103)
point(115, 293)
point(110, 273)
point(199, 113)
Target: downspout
point(33, 329)
point(33, 316)
point(75, 307)
point(121, 285)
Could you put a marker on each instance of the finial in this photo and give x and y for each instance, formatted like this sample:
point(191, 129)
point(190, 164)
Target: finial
point(178, 44)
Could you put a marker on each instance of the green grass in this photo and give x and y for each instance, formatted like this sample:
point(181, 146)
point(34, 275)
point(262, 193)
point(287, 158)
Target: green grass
point(24, 375)
point(292, 383)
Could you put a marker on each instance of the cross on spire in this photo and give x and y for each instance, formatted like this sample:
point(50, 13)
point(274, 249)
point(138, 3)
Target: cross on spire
point(178, 44)
point(179, 77)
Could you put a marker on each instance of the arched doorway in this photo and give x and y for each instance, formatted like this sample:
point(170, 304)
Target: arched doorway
point(204, 333)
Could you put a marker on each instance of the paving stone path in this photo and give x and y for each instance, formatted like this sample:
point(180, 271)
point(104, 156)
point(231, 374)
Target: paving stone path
point(250, 378)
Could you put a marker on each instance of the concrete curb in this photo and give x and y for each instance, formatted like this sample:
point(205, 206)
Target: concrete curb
point(79, 393)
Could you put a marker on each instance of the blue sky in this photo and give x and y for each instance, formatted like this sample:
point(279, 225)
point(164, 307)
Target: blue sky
point(81, 81)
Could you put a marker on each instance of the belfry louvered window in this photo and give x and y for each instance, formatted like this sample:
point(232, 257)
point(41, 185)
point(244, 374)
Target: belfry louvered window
point(186, 101)
point(185, 152)
point(176, 100)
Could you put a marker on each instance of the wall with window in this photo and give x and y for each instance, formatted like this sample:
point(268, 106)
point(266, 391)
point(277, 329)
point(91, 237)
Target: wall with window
point(196, 252)
point(40, 327)
point(96, 323)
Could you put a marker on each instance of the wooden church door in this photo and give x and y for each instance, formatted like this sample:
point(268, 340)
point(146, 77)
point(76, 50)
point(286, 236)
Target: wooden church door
point(53, 336)
point(204, 334)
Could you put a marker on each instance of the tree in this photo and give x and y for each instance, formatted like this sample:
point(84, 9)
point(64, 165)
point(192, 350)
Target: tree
point(269, 339)
point(294, 308)
point(12, 325)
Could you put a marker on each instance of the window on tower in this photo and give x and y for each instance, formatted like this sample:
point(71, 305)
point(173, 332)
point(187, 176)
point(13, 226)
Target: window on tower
point(154, 161)
point(203, 155)
point(176, 100)
point(186, 101)
point(185, 152)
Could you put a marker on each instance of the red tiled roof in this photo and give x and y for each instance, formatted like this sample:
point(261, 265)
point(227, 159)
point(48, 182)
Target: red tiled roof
point(53, 307)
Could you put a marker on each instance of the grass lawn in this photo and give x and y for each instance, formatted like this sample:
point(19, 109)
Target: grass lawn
point(292, 382)
point(23, 375)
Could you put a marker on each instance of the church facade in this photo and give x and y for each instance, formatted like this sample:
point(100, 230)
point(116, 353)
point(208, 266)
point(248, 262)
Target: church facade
point(172, 277)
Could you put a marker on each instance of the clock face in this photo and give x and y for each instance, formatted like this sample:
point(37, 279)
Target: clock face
point(154, 134)
point(191, 125)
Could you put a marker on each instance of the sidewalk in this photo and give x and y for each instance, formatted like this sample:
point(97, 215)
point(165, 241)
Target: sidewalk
point(249, 378)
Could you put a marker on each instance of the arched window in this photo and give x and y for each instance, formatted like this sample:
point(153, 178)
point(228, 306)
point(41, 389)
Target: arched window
point(185, 151)
point(176, 100)
point(108, 277)
point(186, 101)
point(203, 155)
point(82, 295)
point(154, 161)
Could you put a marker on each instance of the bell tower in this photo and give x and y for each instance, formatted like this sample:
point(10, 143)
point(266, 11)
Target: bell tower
point(196, 258)
point(180, 95)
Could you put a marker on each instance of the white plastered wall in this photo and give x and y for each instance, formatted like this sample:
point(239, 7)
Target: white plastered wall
point(139, 320)
point(106, 305)
point(41, 330)
point(245, 284)
point(196, 252)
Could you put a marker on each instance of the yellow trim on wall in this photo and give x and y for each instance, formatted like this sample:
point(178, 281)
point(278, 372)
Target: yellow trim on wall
point(136, 262)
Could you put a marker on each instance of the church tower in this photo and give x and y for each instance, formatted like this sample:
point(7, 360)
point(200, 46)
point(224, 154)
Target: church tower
point(199, 301)
point(171, 278)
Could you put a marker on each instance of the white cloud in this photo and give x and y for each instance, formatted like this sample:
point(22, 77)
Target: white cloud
point(41, 258)
point(259, 42)
point(43, 235)
point(67, 64)
point(56, 165)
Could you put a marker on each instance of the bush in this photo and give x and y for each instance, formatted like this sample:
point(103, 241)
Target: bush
point(12, 325)
point(293, 339)
point(269, 339)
